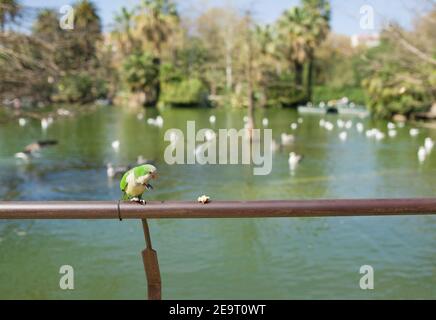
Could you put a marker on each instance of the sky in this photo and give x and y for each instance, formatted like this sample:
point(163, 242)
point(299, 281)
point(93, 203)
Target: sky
point(346, 17)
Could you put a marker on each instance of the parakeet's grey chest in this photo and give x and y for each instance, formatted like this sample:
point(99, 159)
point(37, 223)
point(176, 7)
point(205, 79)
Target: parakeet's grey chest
point(136, 186)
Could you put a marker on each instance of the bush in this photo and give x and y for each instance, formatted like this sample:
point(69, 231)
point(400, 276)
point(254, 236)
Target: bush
point(80, 88)
point(140, 72)
point(185, 92)
point(387, 98)
point(282, 91)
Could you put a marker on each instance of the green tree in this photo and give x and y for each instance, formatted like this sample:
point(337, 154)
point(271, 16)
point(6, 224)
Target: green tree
point(141, 74)
point(156, 23)
point(123, 31)
point(301, 31)
point(9, 11)
point(81, 42)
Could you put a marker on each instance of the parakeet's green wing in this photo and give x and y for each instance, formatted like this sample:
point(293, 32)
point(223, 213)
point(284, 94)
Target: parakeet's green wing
point(123, 182)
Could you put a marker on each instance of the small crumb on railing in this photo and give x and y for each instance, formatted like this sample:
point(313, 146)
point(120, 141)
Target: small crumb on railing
point(203, 199)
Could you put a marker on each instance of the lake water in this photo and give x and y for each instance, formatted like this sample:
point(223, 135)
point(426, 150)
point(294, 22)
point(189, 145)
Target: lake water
point(212, 259)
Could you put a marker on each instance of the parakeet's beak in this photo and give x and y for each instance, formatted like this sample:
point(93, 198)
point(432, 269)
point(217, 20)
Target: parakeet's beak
point(153, 175)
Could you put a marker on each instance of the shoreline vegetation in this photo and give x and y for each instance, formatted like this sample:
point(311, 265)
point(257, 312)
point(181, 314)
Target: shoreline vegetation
point(154, 56)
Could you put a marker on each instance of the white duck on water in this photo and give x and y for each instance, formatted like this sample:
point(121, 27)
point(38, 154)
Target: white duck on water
point(422, 154)
point(287, 139)
point(428, 145)
point(294, 160)
point(112, 171)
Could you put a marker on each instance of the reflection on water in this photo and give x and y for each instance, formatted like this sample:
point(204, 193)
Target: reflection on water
point(254, 258)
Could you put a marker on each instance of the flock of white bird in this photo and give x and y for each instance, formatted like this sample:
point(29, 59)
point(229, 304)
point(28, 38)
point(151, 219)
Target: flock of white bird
point(285, 138)
point(377, 134)
point(344, 126)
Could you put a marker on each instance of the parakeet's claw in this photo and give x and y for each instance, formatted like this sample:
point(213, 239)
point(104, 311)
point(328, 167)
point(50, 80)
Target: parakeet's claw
point(138, 200)
point(149, 186)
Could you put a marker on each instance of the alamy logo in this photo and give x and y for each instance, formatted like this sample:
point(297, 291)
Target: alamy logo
point(66, 21)
point(367, 280)
point(220, 148)
point(66, 282)
point(366, 17)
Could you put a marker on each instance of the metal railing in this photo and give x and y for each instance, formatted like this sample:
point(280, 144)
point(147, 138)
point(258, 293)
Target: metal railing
point(214, 209)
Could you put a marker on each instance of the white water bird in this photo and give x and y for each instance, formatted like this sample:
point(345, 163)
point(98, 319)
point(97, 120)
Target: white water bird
point(428, 145)
point(63, 112)
point(379, 135)
point(413, 132)
point(22, 122)
point(287, 139)
point(343, 135)
point(294, 160)
point(294, 126)
point(45, 123)
point(25, 156)
point(33, 149)
point(116, 145)
point(421, 154)
point(370, 133)
point(391, 126)
point(300, 120)
point(392, 133)
point(329, 126)
point(340, 123)
point(374, 133)
point(265, 122)
point(212, 119)
point(348, 124)
point(275, 146)
point(158, 121)
point(112, 171)
point(209, 135)
point(359, 127)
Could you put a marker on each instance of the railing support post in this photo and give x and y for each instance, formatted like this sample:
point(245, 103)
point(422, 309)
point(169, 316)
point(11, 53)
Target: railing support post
point(151, 266)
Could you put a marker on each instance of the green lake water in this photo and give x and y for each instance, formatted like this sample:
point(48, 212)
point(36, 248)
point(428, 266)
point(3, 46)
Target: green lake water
point(218, 258)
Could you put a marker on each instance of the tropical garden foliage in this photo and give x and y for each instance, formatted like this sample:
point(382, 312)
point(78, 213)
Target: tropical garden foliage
point(152, 55)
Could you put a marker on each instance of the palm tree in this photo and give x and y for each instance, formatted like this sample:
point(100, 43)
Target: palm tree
point(156, 22)
point(123, 30)
point(292, 35)
point(46, 26)
point(87, 28)
point(301, 31)
point(319, 17)
point(9, 11)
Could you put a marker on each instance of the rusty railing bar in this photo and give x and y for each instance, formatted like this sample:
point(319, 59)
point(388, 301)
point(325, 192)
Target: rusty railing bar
point(151, 266)
point(216, 209)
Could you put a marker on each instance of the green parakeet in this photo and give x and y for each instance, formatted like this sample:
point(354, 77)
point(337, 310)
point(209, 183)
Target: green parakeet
point(136, 181)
